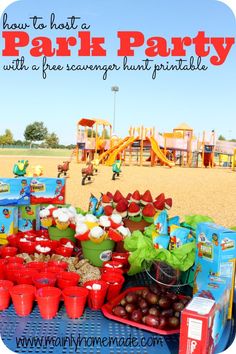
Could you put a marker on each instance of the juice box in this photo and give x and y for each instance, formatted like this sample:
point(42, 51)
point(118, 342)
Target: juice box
point(215, 248)
point(204, 319)
point(8, 221)
point(47, 190)
point(15, 191)
point(29, 218)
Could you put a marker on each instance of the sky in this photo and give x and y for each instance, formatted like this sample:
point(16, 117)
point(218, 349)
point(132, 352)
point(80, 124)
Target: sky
point(205, 100)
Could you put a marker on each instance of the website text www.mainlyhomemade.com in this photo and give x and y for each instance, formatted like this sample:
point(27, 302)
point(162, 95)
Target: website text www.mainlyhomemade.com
point(87, 342)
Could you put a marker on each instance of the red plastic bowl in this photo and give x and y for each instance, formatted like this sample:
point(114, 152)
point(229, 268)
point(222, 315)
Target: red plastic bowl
point(64, 251)
point(66, 279)
point(8, 251)
point(42, 280)
point(27, 247)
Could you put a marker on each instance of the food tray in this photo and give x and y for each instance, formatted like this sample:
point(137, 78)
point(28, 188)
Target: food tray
point(107, 312)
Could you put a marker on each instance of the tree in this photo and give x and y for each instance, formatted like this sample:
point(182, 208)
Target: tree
point(35, 132)
point(52, 140)
point(221, 137)
point(7, 138)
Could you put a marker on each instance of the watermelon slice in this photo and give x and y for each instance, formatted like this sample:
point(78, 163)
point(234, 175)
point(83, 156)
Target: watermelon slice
point(146, 198)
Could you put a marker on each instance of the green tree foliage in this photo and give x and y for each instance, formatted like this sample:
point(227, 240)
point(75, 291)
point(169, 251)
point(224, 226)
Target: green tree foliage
point(35, 132)
point(52, 140)
point(7, 138)
point(221, 137)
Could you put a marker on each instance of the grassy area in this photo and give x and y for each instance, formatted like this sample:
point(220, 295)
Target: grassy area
point(36, 152)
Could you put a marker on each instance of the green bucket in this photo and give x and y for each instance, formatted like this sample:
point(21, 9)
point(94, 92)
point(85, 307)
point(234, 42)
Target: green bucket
point(97, 253)
point(56, 234)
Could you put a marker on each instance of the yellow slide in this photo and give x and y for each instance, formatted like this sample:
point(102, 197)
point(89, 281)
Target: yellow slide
point(159, 153)
point(109, 151)
point(125, 143)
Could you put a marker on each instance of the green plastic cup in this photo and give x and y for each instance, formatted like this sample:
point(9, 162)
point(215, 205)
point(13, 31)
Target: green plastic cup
point(56, 234)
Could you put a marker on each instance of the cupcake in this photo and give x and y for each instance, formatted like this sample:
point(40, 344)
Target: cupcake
point(146, 198)
point(148, 213)
point(63, 221)
point(97, 234)
point(134, 212)
point(46, 218)
point(122, 208)
point(136, 197)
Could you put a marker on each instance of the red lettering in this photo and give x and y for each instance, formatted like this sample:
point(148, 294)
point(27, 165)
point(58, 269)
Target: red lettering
point(91, 46)
point(200, 42)
point(222, 47)
point(157, 46)
point(14, 40)
point(129, 40)
point(42, 47)
point(63, 46)
point(179, 44)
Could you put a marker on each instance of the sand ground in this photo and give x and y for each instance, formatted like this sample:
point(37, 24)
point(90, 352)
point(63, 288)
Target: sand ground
point(194, 191)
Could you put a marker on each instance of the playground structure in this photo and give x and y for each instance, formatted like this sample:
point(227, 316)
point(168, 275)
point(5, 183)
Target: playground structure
point(145, 146)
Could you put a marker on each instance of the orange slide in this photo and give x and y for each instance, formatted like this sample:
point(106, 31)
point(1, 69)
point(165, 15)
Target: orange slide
point(156, 149)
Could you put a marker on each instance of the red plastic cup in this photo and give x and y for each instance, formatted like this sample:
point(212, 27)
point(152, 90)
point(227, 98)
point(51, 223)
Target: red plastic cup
point(8, 251)
point(48, 301)
point(111, 270)
point(53, 269)
point(5, 297)
point(25, 276)
point(75, 300)
point(11, 270)
point(64, 251)
point(2, 268)
point(63, 241)
point(60, 264)
point(54, 244)
point(23, 298)
point(120, 257)
point(13, 240)
point(96, 297)
point(114, 282)
point(27, 247)
point(42, 280)
point(15, 260)
point(67, 279)
point(113, 265)
point(40, 266)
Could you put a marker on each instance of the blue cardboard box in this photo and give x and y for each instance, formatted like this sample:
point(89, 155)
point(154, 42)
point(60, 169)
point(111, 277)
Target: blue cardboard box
point(29, 218)
point(216, 246)
point(47, 190)
point(8, 222)
point(15, 191)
